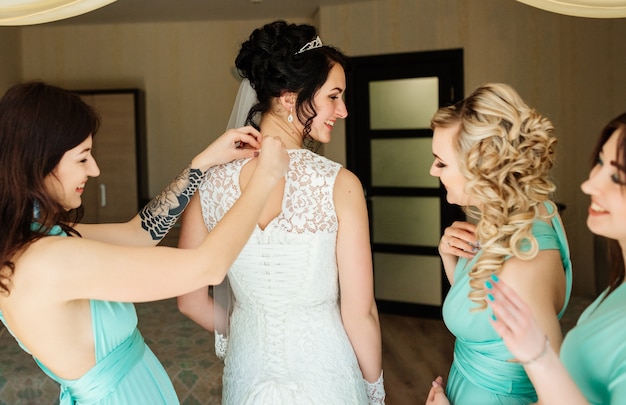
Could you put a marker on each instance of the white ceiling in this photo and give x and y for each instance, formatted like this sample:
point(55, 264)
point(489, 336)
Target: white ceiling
point(125, 11)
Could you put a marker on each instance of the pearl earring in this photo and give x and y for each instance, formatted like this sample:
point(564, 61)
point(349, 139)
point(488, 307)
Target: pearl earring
point(290, 117)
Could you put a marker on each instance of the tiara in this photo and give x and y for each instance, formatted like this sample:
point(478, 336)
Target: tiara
point(316, 43)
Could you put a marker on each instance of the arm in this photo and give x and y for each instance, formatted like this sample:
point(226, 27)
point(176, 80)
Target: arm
point(354, 260)
point(85, 269)
point(196, 305)
point(526, 340)
point(153, 222)
point(541, 283)
point(458, 240)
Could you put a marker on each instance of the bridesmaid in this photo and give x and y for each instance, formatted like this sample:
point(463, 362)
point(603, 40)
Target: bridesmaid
point(66, 289)
point(493, 154)
point(592, 365)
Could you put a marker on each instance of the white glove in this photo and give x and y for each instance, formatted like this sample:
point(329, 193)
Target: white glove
point(376, 391)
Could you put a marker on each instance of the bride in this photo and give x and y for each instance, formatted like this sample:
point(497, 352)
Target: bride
point(291, 338)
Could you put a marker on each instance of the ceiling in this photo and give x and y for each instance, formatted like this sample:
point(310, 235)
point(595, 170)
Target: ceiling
point(127, 11)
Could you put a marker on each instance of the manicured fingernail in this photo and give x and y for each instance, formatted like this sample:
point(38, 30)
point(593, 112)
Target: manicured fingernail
point(495, 278)
point(490, 297)
point(493, 317)
point(488, 285)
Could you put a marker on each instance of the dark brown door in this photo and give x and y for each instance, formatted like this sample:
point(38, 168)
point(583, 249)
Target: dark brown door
point(391, 99)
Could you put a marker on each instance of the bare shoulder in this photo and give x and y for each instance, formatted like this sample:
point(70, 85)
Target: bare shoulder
point(43, 249)
point(58, 259)
point(40, 270)
point(545, 264)
point(542, 276)
point(348, 183)
point(348, 193)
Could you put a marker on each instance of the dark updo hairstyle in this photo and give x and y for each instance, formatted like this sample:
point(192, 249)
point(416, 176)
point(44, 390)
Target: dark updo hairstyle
point(614, 250)
point(271, 61)
point(38, 124)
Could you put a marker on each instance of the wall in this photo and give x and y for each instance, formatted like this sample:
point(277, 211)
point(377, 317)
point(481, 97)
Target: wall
point(184, 68)
point(570, 69)
point(10, 62)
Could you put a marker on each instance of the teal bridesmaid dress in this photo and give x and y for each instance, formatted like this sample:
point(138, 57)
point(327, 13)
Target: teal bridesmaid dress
point(126, 370)
point(481, 373)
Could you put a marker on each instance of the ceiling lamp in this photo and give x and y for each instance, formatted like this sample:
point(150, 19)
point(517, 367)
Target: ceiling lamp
point(582, 8)
point(28, 12)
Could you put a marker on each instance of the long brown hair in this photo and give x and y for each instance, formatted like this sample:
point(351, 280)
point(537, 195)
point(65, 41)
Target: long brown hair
point(38, 124)
point(614, 251)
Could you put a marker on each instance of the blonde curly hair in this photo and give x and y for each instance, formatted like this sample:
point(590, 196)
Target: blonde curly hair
point(505, 150)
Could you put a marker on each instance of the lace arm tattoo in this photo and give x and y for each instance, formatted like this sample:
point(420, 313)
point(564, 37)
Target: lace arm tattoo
point(160, 214)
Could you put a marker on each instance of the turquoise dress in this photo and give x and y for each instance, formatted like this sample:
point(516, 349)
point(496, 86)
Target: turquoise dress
point(126, 371)
point(594, 351)
point(480, 373)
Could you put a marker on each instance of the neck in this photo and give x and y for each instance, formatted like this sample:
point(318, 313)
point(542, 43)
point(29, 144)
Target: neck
point(290, 133)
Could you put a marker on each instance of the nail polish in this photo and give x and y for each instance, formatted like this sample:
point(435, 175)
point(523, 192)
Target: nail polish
point(495, 278)
point(493, 317)
point(488, 285)
point(490, 297)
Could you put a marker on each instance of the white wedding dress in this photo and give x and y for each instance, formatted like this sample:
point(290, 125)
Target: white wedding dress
point(287, 344)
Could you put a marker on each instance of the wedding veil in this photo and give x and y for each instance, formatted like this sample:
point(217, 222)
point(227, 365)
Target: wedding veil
point(222, 295)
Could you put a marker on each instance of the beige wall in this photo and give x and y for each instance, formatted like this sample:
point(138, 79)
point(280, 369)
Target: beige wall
point(184, 68)
point(10, 62)
point(569, 68)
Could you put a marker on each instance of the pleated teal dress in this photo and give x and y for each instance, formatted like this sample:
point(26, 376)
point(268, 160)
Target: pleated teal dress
point(594, 351)
point(126, 372)
point(481, 373)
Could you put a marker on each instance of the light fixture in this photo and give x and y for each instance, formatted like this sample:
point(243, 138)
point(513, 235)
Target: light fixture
point(582, 8)
point(28, 12)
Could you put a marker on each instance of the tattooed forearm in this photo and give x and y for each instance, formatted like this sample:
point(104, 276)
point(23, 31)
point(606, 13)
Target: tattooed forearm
point(160, 214)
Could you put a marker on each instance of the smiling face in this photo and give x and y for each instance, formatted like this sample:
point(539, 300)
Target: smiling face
point(329, 105)
point(446, 165)
point(67, 181)
point(606, 186)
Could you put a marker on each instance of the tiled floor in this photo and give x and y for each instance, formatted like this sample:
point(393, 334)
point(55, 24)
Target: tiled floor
point(185, 350)
point(187, 353)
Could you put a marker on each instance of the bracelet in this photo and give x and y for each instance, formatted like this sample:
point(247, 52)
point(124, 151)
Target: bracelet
point(540, 355)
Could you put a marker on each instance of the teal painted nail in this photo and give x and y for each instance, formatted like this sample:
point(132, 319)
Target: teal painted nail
point(490, 297)
point(495, 278)
point(488, 285)
point(493, 317)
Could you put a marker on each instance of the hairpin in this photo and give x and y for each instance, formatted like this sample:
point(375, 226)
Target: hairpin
point(316, 43)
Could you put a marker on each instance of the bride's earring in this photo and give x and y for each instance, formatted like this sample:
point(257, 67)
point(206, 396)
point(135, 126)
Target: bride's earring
point(290, 116)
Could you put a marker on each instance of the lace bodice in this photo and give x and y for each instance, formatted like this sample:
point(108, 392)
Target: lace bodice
point(287, 343)
point(307, 205)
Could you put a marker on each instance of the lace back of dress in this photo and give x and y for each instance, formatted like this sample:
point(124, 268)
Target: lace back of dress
point(307, 208)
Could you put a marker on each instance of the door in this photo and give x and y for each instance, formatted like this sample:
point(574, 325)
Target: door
point(391, 99)
point(119, 149)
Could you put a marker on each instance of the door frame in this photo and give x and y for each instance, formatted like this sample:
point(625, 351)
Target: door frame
point(447, 65)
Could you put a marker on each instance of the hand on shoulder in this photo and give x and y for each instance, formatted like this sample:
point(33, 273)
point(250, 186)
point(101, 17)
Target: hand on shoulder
point(237, 143)
point(273, 158)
